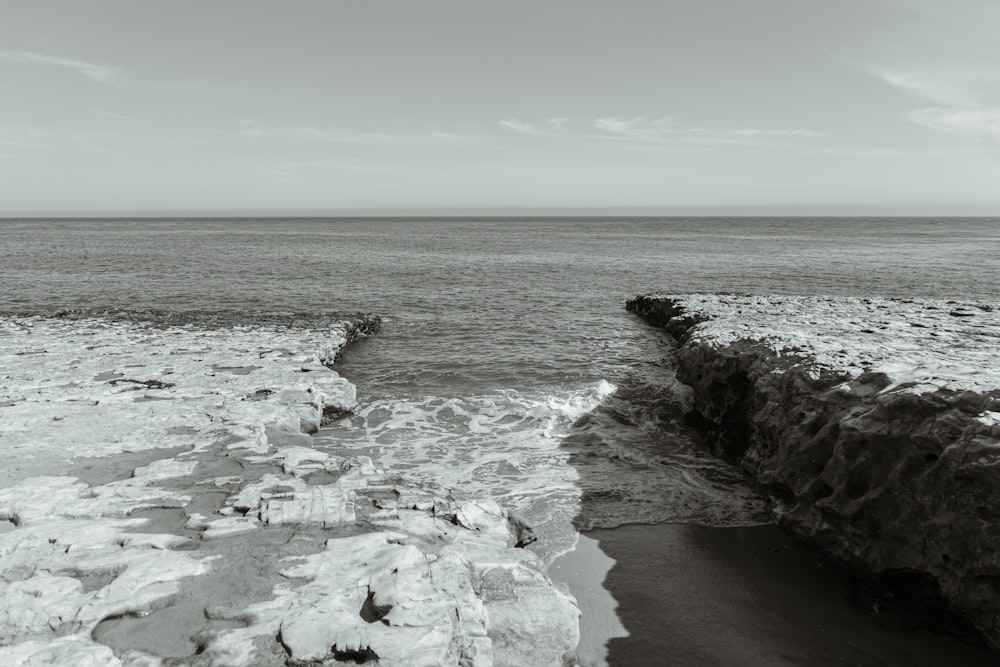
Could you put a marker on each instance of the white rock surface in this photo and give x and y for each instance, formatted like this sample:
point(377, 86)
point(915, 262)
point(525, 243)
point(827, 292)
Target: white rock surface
point(439, 595)
point(77, 650)
point(921, 344)
point(92, 388)
point(408, 572)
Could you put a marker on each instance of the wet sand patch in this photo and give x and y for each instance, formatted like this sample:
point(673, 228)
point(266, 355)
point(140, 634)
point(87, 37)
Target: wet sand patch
point(745, 597)
point(236, 370)
point(583, 570)
point(105, 469)
point(95, 471)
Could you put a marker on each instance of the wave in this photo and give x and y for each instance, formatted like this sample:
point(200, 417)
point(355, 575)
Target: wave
point(567, 459)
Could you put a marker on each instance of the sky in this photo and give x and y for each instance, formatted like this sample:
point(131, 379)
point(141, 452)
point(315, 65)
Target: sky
point(324, 106)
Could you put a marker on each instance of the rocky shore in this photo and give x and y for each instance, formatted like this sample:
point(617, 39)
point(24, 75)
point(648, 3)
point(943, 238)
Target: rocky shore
point(873, 425)
point(164, 503)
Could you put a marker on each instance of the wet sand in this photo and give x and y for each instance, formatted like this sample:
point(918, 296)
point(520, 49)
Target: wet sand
point(582, 571)
point(742, 597)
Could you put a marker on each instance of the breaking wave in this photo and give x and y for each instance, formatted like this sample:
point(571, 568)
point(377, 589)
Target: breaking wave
point(567, 459)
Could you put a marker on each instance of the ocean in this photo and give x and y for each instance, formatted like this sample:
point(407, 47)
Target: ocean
point(507, 365)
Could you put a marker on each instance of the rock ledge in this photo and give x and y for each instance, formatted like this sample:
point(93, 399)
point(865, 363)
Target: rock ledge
point(872, 424)
point(165, 504)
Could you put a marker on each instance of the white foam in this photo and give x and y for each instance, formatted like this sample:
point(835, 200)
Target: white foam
point(504, 445)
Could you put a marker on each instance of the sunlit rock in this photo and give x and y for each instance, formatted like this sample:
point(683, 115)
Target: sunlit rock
point(406, 572)
point(79, 651)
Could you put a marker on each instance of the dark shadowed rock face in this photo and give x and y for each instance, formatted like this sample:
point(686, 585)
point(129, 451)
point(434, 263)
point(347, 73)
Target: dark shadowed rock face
point(900, 479)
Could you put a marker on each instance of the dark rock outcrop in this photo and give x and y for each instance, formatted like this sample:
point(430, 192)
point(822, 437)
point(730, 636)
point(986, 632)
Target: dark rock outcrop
point(900, 480)
point(358, 324)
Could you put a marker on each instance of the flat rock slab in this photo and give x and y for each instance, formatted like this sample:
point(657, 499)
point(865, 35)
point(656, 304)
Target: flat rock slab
point(921, 344)
point(286, 554)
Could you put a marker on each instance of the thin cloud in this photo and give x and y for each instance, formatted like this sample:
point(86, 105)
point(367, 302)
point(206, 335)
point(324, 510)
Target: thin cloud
point(639, 129)
point(746, 136)
point(951, 87)
point(756, 133)
point(979, 122)
point(856, 151)
point(252, 129)
point(456, 137)
point(99, 73)
point(517, 127)
point(665, 133)
point(269, 169)
point(960, 96)
point(6, 141)
point(721, 140)
point(29, 136)
point(110, 114)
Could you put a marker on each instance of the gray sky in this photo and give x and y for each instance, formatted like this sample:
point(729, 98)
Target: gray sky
point(855, 106)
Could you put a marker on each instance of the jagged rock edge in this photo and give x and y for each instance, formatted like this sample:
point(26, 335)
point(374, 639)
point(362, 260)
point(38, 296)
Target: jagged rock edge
point(741, 390)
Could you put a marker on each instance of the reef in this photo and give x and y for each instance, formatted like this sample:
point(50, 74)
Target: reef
point(873, 425)
point(164, 503)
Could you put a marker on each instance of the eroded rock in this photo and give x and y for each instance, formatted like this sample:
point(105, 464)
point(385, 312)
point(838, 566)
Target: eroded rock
point(870, 424)
point(380, 569)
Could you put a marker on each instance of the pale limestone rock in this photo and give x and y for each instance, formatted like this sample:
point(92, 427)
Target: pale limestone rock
point(290, 500)
point(920, 343)
point(423, 610)
point(248, 500)
point(22, 616)
point(479, 514)
point(407, 593)
point(330, 505)
point(440, 586)
point(46, 555)
point(67, 529)
point(224, 527)
point(77, 650)
point(42, 498)
point(523, 606)
point(89, 388)
point(135, 658)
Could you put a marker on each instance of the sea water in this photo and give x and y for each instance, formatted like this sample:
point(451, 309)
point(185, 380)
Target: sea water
point(507, 365)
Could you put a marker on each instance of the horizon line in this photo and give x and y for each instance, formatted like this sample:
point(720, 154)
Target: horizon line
point(790, 210)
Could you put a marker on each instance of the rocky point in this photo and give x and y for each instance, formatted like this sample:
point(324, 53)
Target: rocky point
point(874, 427)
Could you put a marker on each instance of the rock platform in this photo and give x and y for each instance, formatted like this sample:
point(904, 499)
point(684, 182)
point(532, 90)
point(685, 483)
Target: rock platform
point(163, 504)
point(874, 427)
